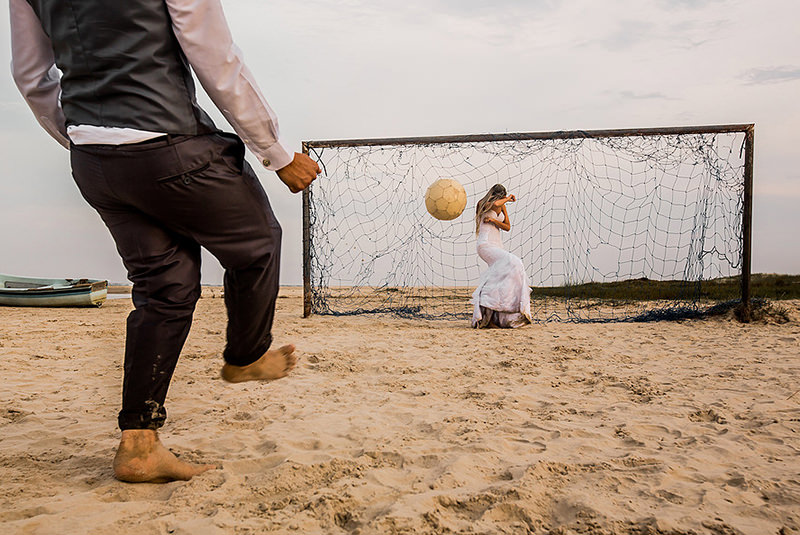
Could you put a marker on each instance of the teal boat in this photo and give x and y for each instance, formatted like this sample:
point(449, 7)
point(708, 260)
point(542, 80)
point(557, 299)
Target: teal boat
point(27, 291)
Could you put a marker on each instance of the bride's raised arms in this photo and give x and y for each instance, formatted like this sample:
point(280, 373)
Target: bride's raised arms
point(504, 200)
point(493, 201)
point(506, 223)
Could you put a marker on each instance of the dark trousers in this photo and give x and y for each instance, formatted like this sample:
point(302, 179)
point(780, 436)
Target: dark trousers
point(162, 200)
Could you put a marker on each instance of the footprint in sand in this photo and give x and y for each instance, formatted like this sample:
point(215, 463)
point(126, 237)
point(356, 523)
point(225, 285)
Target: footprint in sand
point(708, 415)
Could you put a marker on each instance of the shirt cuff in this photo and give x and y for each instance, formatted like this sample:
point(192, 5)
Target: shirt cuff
point(276, 157)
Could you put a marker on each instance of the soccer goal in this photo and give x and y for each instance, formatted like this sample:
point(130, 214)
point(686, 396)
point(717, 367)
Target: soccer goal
point(611, 225)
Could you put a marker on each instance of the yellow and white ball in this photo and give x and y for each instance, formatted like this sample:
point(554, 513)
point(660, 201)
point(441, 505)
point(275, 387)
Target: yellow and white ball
point(445, 199)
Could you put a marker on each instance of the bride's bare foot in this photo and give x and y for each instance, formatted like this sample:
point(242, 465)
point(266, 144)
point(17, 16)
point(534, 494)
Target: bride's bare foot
point(272, 365)
point(142, 458)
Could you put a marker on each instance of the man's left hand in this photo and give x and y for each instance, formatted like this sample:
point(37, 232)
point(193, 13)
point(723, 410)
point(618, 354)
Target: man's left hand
point(300, 173)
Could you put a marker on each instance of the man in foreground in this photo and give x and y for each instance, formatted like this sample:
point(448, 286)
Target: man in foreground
point(165, 181)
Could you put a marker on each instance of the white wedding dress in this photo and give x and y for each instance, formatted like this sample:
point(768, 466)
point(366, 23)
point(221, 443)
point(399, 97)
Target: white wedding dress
point(503, 296)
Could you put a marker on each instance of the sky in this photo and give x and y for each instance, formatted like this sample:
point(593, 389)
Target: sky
point(374, 68)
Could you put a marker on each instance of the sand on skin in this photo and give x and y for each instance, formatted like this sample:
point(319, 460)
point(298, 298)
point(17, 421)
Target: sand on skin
point(410, 426)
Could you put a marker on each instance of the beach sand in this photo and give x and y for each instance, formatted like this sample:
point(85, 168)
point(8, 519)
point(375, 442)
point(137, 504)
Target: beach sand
point(410, 426)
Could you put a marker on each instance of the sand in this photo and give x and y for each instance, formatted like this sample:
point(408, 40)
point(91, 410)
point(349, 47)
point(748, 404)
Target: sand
point(401, 426)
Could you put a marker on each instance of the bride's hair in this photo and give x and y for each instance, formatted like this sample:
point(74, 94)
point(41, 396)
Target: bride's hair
point(487, 203)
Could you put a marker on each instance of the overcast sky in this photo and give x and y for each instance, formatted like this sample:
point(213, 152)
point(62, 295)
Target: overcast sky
point(374, 68)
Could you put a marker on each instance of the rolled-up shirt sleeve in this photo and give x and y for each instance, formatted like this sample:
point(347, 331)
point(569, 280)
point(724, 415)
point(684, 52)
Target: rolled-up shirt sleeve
point(34, 70)
point(202, 31)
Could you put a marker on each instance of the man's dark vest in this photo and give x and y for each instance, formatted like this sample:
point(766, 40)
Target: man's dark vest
point(122, 65)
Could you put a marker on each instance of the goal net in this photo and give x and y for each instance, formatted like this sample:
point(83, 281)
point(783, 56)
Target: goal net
point(610, 225)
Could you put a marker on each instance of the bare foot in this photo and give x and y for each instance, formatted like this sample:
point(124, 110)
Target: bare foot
point(272, 365)
point(142, 458)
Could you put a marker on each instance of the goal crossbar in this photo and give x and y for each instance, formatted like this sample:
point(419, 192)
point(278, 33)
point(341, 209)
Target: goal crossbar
point(524, 136)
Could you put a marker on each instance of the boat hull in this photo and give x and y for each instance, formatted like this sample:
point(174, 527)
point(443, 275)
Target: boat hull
point(23, 291)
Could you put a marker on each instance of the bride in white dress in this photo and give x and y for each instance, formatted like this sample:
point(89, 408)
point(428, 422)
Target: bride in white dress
point(502, 298)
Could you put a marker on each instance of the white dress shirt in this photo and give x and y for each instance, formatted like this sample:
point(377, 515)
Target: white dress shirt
point(204, 36)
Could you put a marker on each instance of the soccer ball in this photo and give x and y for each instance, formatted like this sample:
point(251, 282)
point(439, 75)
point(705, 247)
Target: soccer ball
point(445, 199)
